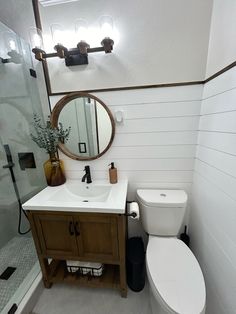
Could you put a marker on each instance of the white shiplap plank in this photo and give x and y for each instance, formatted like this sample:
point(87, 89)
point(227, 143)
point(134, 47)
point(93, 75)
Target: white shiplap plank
point(134, 164)
point(150, 152)
point(221, 161)
point(217, 266)
point(224, 142)
point(147, 96)
point(143, 152)
point(223, 122)
point(158, 138)
point(218, 213)
point(152, 110)
point(219, 103)
point(220, 84)
point(159, 125)
point(154, 176)
point(166, 94)
point(223, 181)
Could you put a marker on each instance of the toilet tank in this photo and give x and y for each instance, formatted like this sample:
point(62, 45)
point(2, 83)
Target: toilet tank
point(162, 211)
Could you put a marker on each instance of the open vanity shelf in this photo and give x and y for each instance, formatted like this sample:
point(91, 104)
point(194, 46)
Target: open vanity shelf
point(91, 237)
point(109, 278)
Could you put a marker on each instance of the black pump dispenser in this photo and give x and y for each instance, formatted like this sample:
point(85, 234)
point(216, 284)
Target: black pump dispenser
point(184, 237)
point(112, 165)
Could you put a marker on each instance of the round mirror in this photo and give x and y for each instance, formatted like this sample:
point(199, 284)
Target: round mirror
point(92, 125)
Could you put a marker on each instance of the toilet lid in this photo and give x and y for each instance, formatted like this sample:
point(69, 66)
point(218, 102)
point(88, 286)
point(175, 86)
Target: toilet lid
point(176, 275)
point(163, 198)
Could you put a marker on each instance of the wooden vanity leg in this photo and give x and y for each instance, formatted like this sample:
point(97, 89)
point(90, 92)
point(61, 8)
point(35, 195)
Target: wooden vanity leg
point(122, 251)
point(42, 261)
point(45, 271)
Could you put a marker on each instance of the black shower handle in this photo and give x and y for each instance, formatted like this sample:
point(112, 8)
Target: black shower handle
point(8, 153)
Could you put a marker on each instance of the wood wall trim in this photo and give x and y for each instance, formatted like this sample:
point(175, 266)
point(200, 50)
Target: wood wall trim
point(113, 89)
point(225, 69)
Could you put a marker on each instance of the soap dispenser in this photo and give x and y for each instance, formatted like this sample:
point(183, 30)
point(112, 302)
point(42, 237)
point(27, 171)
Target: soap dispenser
point(112, 173)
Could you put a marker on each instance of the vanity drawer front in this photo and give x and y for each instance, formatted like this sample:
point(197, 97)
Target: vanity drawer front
point(98, 237)
point(56, 234)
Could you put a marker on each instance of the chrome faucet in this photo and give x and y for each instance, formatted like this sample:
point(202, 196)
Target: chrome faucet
point(87, 175)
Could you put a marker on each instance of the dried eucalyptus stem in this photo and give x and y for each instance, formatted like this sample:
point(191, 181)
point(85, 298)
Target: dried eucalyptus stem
point(48, 137)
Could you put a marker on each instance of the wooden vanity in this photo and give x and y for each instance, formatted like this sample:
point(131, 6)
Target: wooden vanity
point(83, 236)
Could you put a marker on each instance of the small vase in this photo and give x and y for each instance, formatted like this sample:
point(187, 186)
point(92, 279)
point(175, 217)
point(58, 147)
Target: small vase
point(54, 170)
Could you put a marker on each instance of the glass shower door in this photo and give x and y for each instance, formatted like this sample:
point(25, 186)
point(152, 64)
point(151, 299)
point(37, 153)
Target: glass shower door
point(21, 174)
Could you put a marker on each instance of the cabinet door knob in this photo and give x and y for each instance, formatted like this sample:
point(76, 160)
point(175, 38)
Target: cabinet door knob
point(71, 231)
point(77, 233)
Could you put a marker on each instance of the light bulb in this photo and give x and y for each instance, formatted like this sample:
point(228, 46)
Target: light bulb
point(81, 30)
point(57, 34)
point(106, 26)
point(12, 44)
point(10, 41)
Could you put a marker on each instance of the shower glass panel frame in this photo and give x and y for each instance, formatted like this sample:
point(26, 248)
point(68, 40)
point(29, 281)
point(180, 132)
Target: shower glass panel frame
point(19, 100)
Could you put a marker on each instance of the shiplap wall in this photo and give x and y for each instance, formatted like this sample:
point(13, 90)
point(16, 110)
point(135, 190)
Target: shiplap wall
point(155, 147)
point(213, 206)
point(156, 144)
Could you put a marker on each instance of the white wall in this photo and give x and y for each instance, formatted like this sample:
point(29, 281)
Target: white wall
point(213, 205)
point(155, 147)
point(222, 46)
point(213, 214)
point(162, 41)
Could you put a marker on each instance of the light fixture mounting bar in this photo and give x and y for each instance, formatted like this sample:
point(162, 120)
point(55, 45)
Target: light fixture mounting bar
point(73, 51)
point(74, 56)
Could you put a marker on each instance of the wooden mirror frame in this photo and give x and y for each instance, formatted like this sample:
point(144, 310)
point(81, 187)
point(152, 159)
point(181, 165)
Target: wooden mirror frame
point(55, 117)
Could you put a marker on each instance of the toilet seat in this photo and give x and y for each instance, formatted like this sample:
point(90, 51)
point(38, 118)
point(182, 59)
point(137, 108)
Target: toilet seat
point(175, 276)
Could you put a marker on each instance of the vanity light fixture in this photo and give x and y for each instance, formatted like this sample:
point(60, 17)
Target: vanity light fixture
point(79, 54)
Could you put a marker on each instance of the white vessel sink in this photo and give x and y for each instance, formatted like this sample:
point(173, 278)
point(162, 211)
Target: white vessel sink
point(75, 196)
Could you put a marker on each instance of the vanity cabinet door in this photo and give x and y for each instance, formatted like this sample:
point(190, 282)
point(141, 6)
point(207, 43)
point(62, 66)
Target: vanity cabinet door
point(56, 235)
point(97, 237)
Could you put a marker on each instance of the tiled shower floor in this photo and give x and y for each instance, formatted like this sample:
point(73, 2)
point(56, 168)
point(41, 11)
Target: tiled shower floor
point(19, 253)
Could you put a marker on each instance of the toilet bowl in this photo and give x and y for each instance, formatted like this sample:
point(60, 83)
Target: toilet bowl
point(175, 278)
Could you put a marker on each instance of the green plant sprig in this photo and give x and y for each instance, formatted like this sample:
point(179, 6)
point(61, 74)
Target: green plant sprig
point(48, 137)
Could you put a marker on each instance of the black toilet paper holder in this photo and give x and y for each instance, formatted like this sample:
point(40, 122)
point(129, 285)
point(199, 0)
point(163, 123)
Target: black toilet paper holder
point(133, 215)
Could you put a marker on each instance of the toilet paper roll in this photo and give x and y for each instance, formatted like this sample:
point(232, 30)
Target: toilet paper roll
point(133, 209)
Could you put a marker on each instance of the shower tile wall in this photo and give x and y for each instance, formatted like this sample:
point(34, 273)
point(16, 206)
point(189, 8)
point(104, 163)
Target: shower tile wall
point(213, 213)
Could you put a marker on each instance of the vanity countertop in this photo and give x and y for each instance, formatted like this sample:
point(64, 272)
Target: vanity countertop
point(75, 196)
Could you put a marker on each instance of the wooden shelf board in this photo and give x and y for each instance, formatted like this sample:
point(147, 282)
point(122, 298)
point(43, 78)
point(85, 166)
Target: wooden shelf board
point(109, 279)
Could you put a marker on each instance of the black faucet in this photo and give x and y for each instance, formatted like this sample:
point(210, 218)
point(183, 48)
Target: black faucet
point(87, 175)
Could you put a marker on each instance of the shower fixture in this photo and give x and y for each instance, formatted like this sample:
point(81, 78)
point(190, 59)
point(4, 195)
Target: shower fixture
point(10, 165)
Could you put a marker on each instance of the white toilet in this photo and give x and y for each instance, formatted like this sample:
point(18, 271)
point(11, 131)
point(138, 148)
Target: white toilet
point(176, 282)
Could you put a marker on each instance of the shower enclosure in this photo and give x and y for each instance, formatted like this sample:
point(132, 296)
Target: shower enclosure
point(20, 161)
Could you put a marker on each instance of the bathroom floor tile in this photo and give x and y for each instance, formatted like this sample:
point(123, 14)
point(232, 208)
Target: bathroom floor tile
point(19, 253)
point(63, 299)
